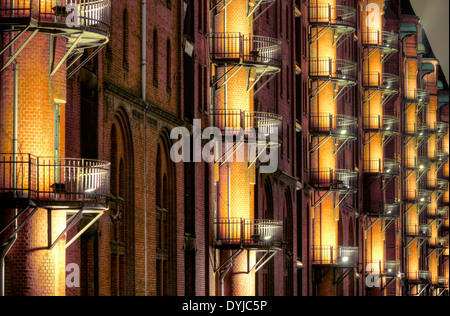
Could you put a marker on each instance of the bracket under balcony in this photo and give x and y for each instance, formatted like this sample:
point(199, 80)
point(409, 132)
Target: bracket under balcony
point(386, 126)
point(239, 235)
point(260, 55)
point(339, 72)
point(341, 128)
point(341, 183)
point(384, 84)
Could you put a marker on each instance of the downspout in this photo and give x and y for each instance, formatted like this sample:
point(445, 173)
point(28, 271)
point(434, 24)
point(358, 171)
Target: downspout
point(144, 97)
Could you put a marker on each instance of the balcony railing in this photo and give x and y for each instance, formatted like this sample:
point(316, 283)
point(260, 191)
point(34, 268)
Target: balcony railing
point(441, 128)
point(385, 167)
point(387, 124)
point(383, 39)
point(423, 231)
point(419, 277)
point(443, 282)
point(250, 50)
point(418, 96)
point(338, 126)
point(333, 69)
point(54, 181)
point(333, 15)
point(345, 257)
point(389, 209)
point(384, 268)
point(382, 81)
point(421, 196)
point(253, 124)
point(248, 233)
point(438, 242)
point(421, 164)
point(93, 15)
point(338, 179)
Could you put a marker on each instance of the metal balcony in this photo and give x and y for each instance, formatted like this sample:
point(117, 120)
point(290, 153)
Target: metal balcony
point(418, 231)
point(84, 23)
point(338, 126)
point(340, 70)
point(251, 50)
point(385, 167)
point(386, 42)
point(387, 124)
point(238, 233)
point(338, 180)
point(385, 84)
point(419, 277)
point(438, 243)
point(54, 182)
point(250, 125)
point(253, 7)
point(390, 269)
point(420, 197)
point(443, 282)
point(389, 209)
point(418, 97)
point(340, 257)
point(421, 164)
point(340, 18)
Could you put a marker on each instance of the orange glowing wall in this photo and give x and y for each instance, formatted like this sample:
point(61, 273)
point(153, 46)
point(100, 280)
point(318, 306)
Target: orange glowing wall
point(325, 216)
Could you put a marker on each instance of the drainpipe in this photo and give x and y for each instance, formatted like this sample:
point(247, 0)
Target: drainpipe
point(144, 97)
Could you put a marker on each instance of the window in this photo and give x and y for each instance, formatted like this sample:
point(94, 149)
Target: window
point(169, 66)
point(155, 57)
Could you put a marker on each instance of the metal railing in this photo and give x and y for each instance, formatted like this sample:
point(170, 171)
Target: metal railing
point(385, 123)
point(420, 96)
point(249, 49)
point(248, 232)
point(387, 167)
point(384, 268)
point(417, 163)
point(379, 38)
point(89, 14)
point(423, 231)
point(419, 276)
point(420, 196)
point(337, 179)
point(231, 122)
point(337, 69)
point(336, 256)
point(384, 81)
point(338, 15)
point(341, 126)
point(54, 179)
point(385, 209)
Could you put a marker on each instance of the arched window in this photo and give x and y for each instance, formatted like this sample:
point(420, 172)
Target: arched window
point(121, 209)
point(166, 269)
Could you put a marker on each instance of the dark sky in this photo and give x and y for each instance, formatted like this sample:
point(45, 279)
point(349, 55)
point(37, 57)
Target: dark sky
point(434, 16)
